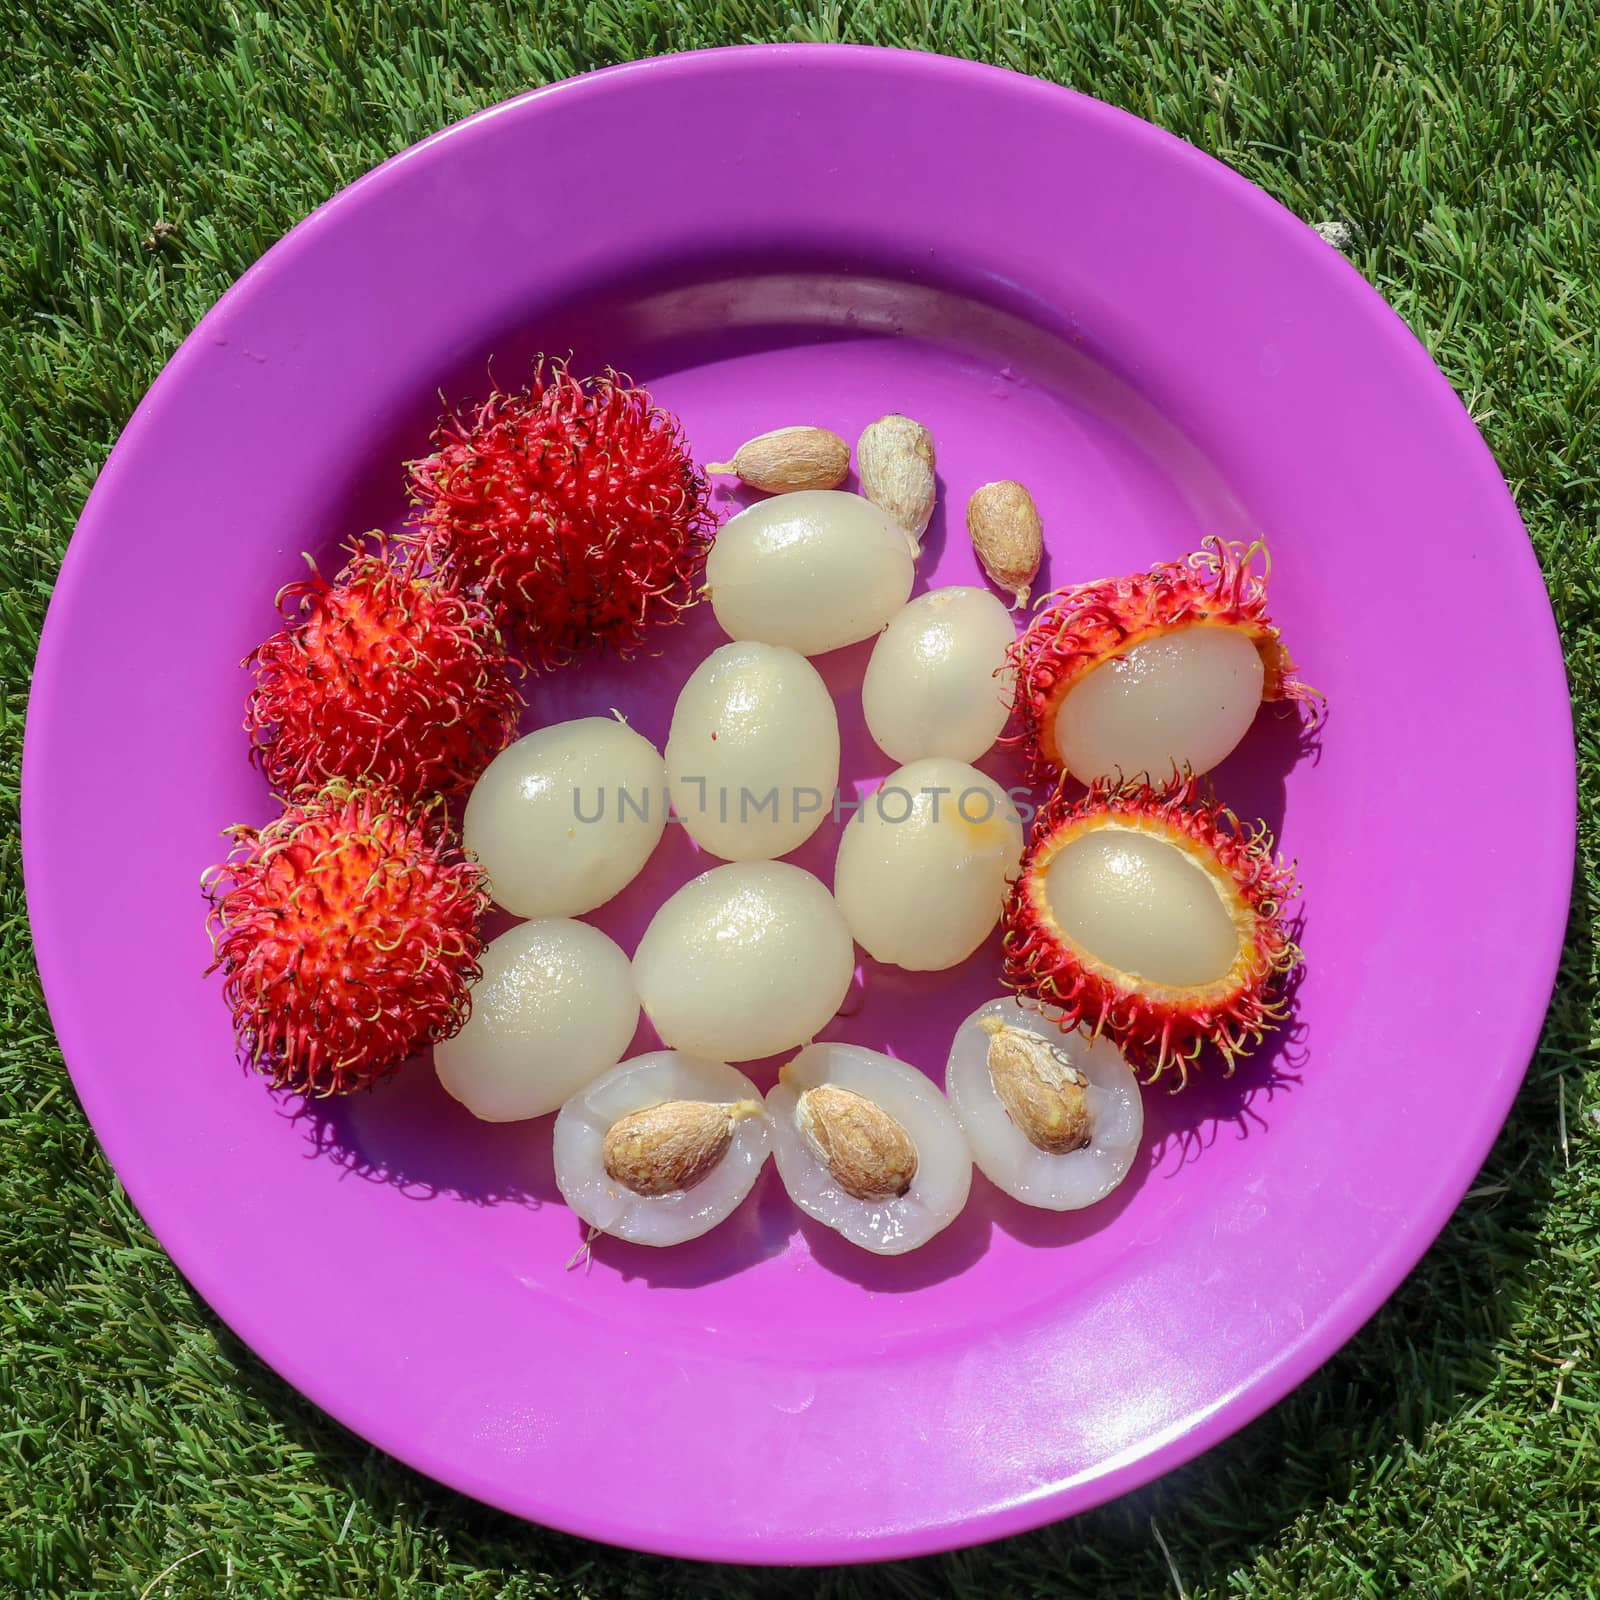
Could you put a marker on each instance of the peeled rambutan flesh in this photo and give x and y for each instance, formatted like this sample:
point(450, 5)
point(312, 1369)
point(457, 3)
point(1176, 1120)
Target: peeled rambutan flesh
point(346, 931)
point(390, 674)
point(1151, 915)
point(1152, 673)
point(574, 504)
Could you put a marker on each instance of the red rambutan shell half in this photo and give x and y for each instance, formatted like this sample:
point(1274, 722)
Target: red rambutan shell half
point(576, 507)
point(346, 932)
point(1159, 1027)
point(390, 674)
point(1223, 584)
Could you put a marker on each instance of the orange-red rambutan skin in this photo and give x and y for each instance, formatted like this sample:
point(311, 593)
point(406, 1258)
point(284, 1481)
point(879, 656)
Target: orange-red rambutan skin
point(574, 504)
point(346, 931)
point(1156, 1027)
point(390, 674)
point(1223, 584)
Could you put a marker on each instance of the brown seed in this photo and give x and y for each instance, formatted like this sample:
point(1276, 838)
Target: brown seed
point(1041, 1090)
point(671, 1146)
point(1008, 536)
point(869, 1154)
point(894, 457)
point(788, 459)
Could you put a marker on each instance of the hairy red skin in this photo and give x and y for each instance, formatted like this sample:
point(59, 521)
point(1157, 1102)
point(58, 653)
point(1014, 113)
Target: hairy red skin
point(346, 932)
point(576, 507)
point(390, 674)
point(1159, 1028)
point(1079, 628)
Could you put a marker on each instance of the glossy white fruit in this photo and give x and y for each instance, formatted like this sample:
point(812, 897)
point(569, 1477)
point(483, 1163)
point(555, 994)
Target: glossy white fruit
point(1182, 699)
point(744, 961)
point(813, 570)
point(943, 1176)
point(923, 865)
point(555, 1007)
point(937, 683)
point(753, 757)
point(564, 819)
point(645, 1081)
point(1143, 906)
point(1057, 1182)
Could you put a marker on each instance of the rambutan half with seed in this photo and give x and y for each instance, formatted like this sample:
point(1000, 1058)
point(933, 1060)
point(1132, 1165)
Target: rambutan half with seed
point(390, 674)
point(1161, 670)
point(1151, 915)
point(574, 504)
point(346, 932)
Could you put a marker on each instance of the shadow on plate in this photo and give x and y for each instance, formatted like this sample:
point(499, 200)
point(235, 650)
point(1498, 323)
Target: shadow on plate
point(408, 1133)
point(1252, 781)
point(945, 1256)
point(1180, 1126)
point(759, 1229)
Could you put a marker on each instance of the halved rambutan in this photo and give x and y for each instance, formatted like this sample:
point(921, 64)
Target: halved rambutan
point(390, 674)
point(1151, 915)
point(347, 934)
point(1159, 670)
point(575, 504)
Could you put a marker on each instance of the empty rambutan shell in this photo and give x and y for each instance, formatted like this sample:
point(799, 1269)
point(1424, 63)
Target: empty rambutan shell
point(390, 674)
point(1151, 915)
point(346, 931)
point(574, 504)
point(1152, 673)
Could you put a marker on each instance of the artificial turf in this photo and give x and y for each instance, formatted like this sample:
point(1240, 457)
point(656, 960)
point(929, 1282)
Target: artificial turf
point(151, 152)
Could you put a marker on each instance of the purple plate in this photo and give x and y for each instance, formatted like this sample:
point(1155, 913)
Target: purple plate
point(1067, 296)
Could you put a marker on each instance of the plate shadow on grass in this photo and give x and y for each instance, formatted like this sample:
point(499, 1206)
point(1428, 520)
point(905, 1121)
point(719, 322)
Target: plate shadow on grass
point(1425, 1357)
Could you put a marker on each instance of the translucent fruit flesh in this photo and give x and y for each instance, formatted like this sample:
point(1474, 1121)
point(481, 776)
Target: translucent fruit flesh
point(555, 1007)
point(937, 683)
point(1139, 904)
point(1181, 699)
point(753, 756)
point(744, 961)
point(645, 1081)
point(815, 571)
point(566, 817)
point(1010, 1160)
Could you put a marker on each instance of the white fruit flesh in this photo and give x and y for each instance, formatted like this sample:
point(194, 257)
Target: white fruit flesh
point(1183, 699)
point(1141, 905)
point(564, 819)
point(944, 1168)
point(646, 1081)
point(936, 684)
point(555, 1007)
point(922, 867)
point(744, 961)
point(1064, 1182)
point(753, 756)
point(813, 571)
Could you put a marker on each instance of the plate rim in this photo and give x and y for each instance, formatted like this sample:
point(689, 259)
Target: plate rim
point(1142, 1462)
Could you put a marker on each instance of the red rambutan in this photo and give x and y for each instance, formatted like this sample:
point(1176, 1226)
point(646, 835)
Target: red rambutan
point(1168, 666)
point(390, 674)
point(574, 504)
point(347, 934)
point(1151, 915)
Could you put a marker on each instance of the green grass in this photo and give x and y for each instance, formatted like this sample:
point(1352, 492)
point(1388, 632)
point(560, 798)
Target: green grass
point(1451, 1449)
